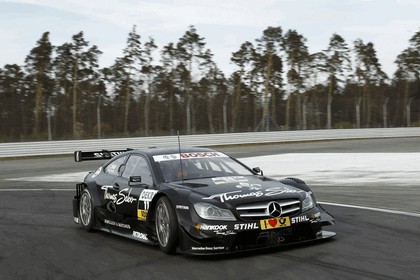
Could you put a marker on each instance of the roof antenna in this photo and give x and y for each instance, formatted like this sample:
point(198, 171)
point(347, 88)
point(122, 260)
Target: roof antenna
point(180, 158)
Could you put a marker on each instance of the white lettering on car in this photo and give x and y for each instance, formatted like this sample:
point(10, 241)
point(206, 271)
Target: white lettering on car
point(140, 235)
point(113, 223)
point(245, 226)
point(299, 219)
point(120, 197)
point(146, 196)
point(238, 194)
point(233, 195)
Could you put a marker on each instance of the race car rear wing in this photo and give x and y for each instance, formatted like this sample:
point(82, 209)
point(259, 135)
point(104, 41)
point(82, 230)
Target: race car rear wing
point(80, 156)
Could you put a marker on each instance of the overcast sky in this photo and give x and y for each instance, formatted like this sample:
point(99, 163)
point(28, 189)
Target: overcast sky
point(225, 24)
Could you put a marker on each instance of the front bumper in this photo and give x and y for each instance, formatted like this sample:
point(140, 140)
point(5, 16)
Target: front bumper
point(231, 237)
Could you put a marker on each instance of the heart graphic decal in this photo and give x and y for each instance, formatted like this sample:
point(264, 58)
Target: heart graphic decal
point(272, 222)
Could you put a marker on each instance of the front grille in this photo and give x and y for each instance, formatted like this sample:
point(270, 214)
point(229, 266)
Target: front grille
point(259, 210)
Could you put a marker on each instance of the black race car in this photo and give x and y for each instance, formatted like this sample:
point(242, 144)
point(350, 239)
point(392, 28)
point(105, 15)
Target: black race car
point(195, 201)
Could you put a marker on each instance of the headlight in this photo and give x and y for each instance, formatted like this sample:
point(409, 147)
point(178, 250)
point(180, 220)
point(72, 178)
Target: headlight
point(211, 212)
point(307, 203)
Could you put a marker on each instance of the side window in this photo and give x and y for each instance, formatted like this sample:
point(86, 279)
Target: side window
point(137, 166)
point(114, 166)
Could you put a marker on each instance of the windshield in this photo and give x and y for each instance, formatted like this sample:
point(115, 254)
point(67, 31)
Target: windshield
point(198, 165)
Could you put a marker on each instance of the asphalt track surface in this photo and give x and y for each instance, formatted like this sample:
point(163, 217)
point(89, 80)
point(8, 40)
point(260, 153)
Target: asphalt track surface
point(38, 239)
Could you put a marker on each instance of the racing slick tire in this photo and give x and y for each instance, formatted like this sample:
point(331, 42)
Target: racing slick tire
point(166, 223)
point(86, 213)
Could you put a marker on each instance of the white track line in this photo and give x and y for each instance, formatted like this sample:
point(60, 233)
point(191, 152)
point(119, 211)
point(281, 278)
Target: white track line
point(389, 211)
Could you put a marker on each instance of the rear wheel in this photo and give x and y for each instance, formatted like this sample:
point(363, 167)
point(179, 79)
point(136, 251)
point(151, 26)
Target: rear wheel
point(86, 210)
point(166, 223)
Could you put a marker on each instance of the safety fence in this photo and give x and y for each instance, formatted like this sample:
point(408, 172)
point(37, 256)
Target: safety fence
point(24, 149)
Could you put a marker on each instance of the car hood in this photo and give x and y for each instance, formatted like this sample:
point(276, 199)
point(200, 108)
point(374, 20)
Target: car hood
point(236, 190)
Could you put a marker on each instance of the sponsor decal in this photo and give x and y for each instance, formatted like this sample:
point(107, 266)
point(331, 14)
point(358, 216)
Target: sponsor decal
point(140, 235)
point(202, 155)
point(217, 229)
point(183, 207)
point(159, 158)
point(141, 215)
point(246, 226)
point(210, 227)
point(120, 197)
point(299, 219)
point(275, 223)
point(229, 179)
point(233, 195)
point(208, 248)
point(146, 197)
point(113, 223)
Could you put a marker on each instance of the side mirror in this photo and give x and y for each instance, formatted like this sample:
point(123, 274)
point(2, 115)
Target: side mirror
point(134, 181)
point(258, 171)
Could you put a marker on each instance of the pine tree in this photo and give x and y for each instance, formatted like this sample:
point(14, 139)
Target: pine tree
point(268, 47)
point(338, 65)
point(190, 49)
point(39, 67)
point(408, 71)
point(294, 45)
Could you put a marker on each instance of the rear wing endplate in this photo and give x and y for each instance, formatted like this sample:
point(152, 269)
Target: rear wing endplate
point(80, 156)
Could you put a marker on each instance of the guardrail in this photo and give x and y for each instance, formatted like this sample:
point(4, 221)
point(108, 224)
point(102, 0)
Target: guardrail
point(21, 149)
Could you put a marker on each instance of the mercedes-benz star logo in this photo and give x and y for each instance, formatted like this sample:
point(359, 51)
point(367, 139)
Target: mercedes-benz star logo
point(274, 209)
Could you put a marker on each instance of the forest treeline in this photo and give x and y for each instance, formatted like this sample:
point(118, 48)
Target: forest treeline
point(61, 92)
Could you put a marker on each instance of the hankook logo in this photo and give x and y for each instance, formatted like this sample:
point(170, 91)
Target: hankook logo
point(274, 209)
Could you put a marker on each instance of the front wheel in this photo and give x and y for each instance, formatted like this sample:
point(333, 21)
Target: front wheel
point(166, 225)
point(86, 210)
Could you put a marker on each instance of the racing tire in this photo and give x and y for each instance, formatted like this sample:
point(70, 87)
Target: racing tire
point(86, 212)
point(166, 225)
